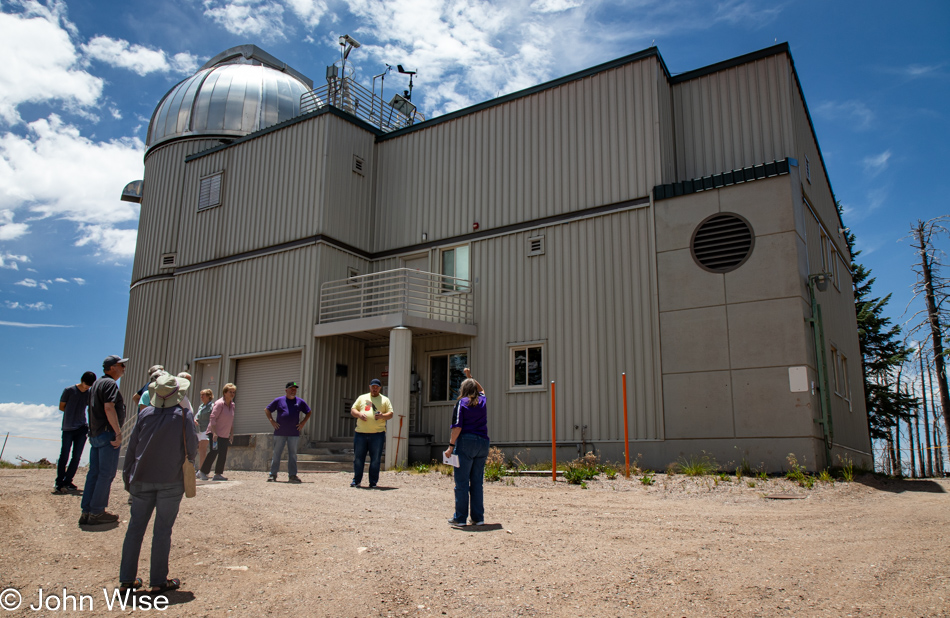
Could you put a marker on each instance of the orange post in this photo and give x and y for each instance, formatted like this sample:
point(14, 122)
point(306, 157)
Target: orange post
point(626, 435)
point(553, 438)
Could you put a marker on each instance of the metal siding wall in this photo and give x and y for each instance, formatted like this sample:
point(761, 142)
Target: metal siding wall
point(583, 144)
point(664, 128)
point(272, 193)
point(590, 298)
point(733, 118)
point(348, 197)
point(146, 341)
point(159, 217)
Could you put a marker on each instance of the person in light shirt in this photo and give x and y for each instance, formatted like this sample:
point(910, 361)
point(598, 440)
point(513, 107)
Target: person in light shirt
point(371, 412)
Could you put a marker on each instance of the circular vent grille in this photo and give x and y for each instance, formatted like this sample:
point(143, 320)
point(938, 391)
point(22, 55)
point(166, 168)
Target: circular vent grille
point(722, 242)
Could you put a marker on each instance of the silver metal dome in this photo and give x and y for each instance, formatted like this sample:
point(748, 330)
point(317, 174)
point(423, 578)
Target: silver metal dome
point(239, 91)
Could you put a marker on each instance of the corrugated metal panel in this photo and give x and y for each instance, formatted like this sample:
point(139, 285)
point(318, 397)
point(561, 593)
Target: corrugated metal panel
point(582, 144)
point(733, 118)
point(664, 126)
point(590, 299)
point(161, 202)
point(146, 333)
point(259, 381)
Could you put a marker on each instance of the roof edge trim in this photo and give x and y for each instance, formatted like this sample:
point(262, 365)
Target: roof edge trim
point(774, 50)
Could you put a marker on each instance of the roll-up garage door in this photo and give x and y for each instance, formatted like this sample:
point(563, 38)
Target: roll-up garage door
point(259, 381)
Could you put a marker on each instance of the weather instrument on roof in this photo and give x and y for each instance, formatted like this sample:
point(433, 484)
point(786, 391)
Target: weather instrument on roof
point(407, 93)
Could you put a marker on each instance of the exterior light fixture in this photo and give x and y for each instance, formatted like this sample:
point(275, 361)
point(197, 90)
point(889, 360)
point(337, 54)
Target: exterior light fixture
point(475, 225)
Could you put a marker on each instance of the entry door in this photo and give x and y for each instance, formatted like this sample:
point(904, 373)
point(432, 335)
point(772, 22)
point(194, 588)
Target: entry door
point(208, 374)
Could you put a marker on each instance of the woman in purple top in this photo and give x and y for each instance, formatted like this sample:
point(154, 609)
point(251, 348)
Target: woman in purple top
point(469, 440)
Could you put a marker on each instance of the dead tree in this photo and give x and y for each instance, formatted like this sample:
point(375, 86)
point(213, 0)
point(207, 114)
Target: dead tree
point(929, 470)
point(933, 286)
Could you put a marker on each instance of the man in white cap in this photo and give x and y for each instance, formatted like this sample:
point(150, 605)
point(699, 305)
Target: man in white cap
point(106, 417)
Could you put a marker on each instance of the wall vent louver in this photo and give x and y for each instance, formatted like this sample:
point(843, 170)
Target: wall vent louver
point(722, 242)
point(536, 246)
point(209, 191)
point(169, 260)
point(358, 165)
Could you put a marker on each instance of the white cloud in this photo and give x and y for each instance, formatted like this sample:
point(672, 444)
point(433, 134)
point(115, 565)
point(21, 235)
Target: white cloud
point(11, 261)
point(27, 283)
point(79, 280)
point(10, 230)
point(855, 111)
point(23, 325)
point(54, 171)
point(35, 431)
point(38, 306)
point(876, 164)
point(61, 280)
point(40, 62)
point(554, 6)
point(309, 11)
point(257, 18)
point(138, 58)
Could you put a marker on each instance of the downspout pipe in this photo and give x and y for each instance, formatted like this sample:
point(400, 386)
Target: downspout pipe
point(820, 280)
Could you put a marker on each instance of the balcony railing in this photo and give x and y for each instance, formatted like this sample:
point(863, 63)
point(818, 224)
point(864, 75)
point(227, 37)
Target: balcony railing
point(355, 99)
point(403, 290)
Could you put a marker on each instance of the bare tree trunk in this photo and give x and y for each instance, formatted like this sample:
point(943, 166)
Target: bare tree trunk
point(923, 238)
point(898, 463)
point(929, 471)
point(938, 442)
point(888, 467)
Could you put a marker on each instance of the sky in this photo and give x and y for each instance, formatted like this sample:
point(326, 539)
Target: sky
point(80, 79)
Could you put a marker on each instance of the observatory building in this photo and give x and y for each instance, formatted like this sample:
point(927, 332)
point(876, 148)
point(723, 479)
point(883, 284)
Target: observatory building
point(619, 242)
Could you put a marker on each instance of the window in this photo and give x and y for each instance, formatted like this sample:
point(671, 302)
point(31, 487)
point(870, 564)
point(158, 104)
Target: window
point(836, 369)
point(527, 367)
point(446, 375)
point(845, 384)
point(209, 191)
point(455, 264)
point(835, 258)
point(807, 169)
point(824, 251)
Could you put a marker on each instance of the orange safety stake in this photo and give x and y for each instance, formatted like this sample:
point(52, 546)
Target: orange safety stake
point(553, 438)
point(626, 436)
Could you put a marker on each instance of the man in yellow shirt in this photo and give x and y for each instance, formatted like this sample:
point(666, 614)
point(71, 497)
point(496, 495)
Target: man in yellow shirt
point(371, 412)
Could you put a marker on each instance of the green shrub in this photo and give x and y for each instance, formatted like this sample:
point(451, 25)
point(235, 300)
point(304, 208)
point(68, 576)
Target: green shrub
point(797, 473)
point(647, 478)
point(495, 464)
point(846, 472)
point(421, 468)
point(825, 476)
point(697, 465)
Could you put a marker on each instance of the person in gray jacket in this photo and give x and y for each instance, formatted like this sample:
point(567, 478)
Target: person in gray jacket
point(163, 437)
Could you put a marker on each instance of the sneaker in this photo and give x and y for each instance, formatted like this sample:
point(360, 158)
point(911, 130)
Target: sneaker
point(71, 487)
point(201, 476)
point(456, 523)
point(105, 517)
point(480, 522)
point(372, 485)
point(294, 479)
point(84, 518)
point(61, 490)
point(271, 478)
point(218, 477)
point(354, 484)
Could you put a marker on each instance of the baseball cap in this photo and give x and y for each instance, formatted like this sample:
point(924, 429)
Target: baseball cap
point(375, 382)
point(113, 360)
point(293, 384)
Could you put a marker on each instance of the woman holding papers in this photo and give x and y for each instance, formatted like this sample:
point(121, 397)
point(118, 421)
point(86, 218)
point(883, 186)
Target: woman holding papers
point(469, 441)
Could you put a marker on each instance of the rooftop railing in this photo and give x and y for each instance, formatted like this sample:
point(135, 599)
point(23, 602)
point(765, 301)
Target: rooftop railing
point(351, 97)
point(402, 290)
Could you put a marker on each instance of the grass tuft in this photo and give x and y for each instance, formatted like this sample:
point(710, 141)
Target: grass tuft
point(694, 465)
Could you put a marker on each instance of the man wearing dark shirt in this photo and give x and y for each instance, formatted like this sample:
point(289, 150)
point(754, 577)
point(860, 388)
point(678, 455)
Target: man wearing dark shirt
point(73, 404)
point(106, 416)
point(287, 429)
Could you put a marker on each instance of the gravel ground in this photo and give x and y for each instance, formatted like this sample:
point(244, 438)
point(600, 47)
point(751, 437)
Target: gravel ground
point(682, 547)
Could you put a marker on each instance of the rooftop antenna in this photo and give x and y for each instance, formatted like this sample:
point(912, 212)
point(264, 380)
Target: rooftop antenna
point(382, 84)
point(408, 93)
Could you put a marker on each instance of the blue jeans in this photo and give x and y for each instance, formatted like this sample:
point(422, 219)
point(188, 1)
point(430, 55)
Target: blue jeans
point(363, 443)
point(103, 463)
point(279, 442)
point(164, 499)
point(469, 476)
point(73, 440)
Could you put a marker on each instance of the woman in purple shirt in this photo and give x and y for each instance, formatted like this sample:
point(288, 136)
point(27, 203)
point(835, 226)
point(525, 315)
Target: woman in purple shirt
point(469, 440)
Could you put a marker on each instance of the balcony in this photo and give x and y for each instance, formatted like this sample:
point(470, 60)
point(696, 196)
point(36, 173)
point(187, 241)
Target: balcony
point(369, 306)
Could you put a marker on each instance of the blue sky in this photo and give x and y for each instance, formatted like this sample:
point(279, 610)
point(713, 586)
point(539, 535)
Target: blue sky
point(80, 79)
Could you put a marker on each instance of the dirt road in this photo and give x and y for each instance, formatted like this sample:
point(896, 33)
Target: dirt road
point(682, 547)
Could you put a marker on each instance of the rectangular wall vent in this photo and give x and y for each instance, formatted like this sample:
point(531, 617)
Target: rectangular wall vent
point(209, 191)
point(536, 246)
point(358, 165)
point(169, 260)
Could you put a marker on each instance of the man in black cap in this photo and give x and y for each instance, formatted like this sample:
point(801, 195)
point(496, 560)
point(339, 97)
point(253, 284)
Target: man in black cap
point(287, 429)
point(371, 412)
point(106, 416)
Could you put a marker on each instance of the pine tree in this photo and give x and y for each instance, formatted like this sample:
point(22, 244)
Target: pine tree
point(882, 351)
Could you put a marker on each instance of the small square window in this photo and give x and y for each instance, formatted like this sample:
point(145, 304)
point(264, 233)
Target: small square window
point(527, 367)
point(446, 375)
point(455, 264)
point(209, 191)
